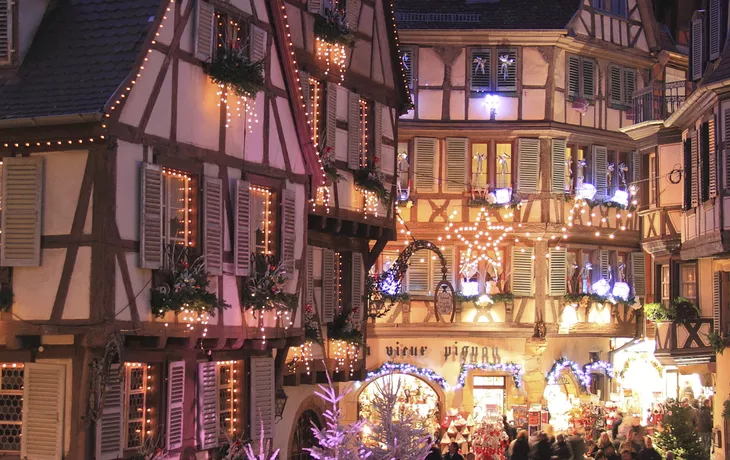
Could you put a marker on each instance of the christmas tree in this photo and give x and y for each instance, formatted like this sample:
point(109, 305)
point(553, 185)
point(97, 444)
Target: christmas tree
point(398, 433)
point(336, 442)
point(678, 434)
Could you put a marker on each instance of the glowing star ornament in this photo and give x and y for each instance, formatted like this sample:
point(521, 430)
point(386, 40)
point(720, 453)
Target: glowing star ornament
point(601, 287)
point(621, 291)
point(586, 191)
point(503, 195)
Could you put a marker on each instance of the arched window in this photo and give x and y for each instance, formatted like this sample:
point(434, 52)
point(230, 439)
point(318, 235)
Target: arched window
point(303, 436)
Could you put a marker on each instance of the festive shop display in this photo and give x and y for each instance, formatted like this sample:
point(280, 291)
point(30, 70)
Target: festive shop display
point(490, 441)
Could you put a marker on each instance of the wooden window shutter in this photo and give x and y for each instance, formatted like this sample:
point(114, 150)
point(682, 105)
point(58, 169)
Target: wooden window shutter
point(528, 159)
point(310, 275)
point(353, 132)
point(44, 398)
point(456, 160)
point(506, 72)
point(604, 258)
point(696, 58)
point(573, 77)
point(22, 192)
point(150, 234)
point(289, 230)
point(207, 416)
point(358, 282)
point(638, 273)
point(425, 164)
point(314, 6)
point(600, 168)
point(204, 30)
point(262, 397)
point(304, 84)
point(712, 158)
point(481, 70)
point(436, 273)
point(558, 271)
point(242, 230)
point(353, 14)
point(629, 86)
point(110, 424)
point(695, 170)
point(329, 291)
point(6, 32)
point(258, 44)
point(687, 176)
point(588, 67)
point(717, 302)
point(378, 123)
point(331, 112)
point(175, 402)
point(418, 273)
point(407, 62)
point(703, 154)
point(522, 271)
point(635, 173)
point(213, 217)
point(558, 164)
point(614, 84)
point(715, 15)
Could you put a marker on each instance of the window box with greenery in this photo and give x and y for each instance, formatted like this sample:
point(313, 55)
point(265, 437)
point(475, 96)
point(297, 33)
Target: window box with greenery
point(680, 309)
point(370, 179)
point(332, 27)
point(263, 288)
point(232, 67)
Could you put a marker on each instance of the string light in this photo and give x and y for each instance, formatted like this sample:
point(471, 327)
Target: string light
point(334, 55)
point(515, 369)
point(405, 368)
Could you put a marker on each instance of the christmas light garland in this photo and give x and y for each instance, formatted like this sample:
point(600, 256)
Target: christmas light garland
point(405, 368)
point(515, 369)
point(599, 366)
point(563, 363)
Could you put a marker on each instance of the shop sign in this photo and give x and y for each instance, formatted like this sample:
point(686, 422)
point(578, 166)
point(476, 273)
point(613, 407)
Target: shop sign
point(404, 351)
point(444, 301)
point(472, 355)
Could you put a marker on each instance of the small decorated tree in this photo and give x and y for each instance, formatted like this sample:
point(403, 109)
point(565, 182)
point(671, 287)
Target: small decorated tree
point(397, 433)
point(678, 433)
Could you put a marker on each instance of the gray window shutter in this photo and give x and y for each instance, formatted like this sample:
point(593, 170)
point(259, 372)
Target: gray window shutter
point(715, 15)
point(528, 161)
point(588, 67)
point(353, 14)
point(408, 64)
point(110, 424)
point(712, 159)
point(456, 155)
point(635, 173)
point(242, 230)
point(44, 398)
point(600, 168)
point(258, 43)
point(310, 275)
point(175, 401)
point(604, 258)
point(522, 271)
point(329, 290)
point(213, 222)
point(638, 273)
point(204, 29)
point(354, 132)
point(717, 302)
point(22, 192)
point(558, 270)
point(629, 86)
point(150, 234)
point(558, 162)
point(207, 416)
point(425, 164)
point(506, 73)
point(314, 6)
point(358, 283)
point(418, 273)
point(262, 397)
point(481, 70)
point(614, 84)
point(695, 187)
point(331, 122)
point(696, 57)
point(6, 28)
point(573, 77)
point(288, 227)
point(378, 124)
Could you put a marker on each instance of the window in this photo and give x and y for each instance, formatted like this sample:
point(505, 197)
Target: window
point(652, 178)
point(404, 171)
point(581, 77)
point(263, 220)
point(621, 85)
point(504, 165)
point(229, 31)
point(11, 407)
point(367, 130)
point(665, 290)
point(316, 106)
point(135, 406)
point(568, 168)
point(424, 271)
point(469, 273)
point(617, 7)
point(489, 393)
point(479, 166)
point(179, 202)
point(688, 288)
point(409, 66)
point(227, 391)
point(494, 69)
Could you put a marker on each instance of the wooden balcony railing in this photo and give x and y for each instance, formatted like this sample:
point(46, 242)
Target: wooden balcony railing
point(684, 342)
point(658, 101)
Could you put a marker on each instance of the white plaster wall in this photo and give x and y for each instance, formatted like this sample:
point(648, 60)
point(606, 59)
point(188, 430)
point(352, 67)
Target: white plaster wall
point(138, 97)
point(534, 67)
point(186, 39)
point(200, 126)
point(669, 157)
point(613, 119)
point(533, 104)
point(387, 61)
point(365, 21)
point(260, 6)
point(30, 14)
point(295, 24)
point(231, 316)
point(457, 105)
point(161, 118)
point(63, 174)
point(296, 159)
point(429, 104)
point(35, 288)
point(79, 292)
point(430, 68)
point(458, 70)
point(129, 158)
point(244, 5)
point(254, 140)
point(360, 58)
point(141, 281)
point(378, 56)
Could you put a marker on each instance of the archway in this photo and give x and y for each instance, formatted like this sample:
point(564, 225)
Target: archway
point(303, 436)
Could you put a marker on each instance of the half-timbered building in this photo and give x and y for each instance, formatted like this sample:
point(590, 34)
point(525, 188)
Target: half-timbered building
point(123, 162)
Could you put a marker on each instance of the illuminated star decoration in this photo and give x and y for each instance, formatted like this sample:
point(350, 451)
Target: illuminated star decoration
point(505, 63)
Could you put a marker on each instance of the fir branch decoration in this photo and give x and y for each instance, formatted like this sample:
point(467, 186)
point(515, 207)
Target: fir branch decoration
point(263, 288)
point(716, 342)
point(346, 327)
point(726, 409)
point(498, 297)
point(577, 297)
point(489, 203)
point(231, 66)
point(656, 312)
point(326, 156)
point(184, 284)
point(332, 28)
point(311, 325)
point(370, 178)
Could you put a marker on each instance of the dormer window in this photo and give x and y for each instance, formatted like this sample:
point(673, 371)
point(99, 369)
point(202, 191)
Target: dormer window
point(617, 7)
point(6, 32)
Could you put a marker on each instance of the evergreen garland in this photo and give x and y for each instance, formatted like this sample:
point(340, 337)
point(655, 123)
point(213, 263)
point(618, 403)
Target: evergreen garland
point(370, 178)
point(332, 28)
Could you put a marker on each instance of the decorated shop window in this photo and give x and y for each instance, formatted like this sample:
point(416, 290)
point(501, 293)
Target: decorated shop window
point(263, 220)
point(489, 395)
point(11, 407)
point(480, 166)
point(179, 208)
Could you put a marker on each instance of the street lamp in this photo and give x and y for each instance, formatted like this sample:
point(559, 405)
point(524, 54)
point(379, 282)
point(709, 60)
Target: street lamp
point(280, 402)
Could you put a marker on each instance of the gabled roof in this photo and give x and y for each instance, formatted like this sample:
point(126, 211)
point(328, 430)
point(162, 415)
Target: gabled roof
point(485, 14)
point(82, 52)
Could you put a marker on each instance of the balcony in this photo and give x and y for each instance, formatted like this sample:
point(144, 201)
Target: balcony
point(684, 342)
point(658, 101)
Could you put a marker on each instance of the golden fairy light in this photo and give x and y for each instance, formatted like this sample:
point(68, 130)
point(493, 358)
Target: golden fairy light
point(334, 55)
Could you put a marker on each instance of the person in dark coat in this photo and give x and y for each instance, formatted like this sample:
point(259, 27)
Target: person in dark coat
point(561, 449)
point(453, 453)
point(435, 453)
point(614, 428)
point(611, 453)
point(578, 446)
point(649, 453)
point(541, 450)
point(509, 429)
point(521, 447)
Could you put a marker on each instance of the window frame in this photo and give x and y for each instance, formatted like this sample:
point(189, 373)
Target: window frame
point(610, 7)
point(274, 206)
point(128, 393)
point(317, 107)
point(492, 163)
point(625, 100)
point(688, 268)
point(581, 78)
point(15, 394)
point(235, 385)
point(191, 211)
point(222, 30)
point(493, 72)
